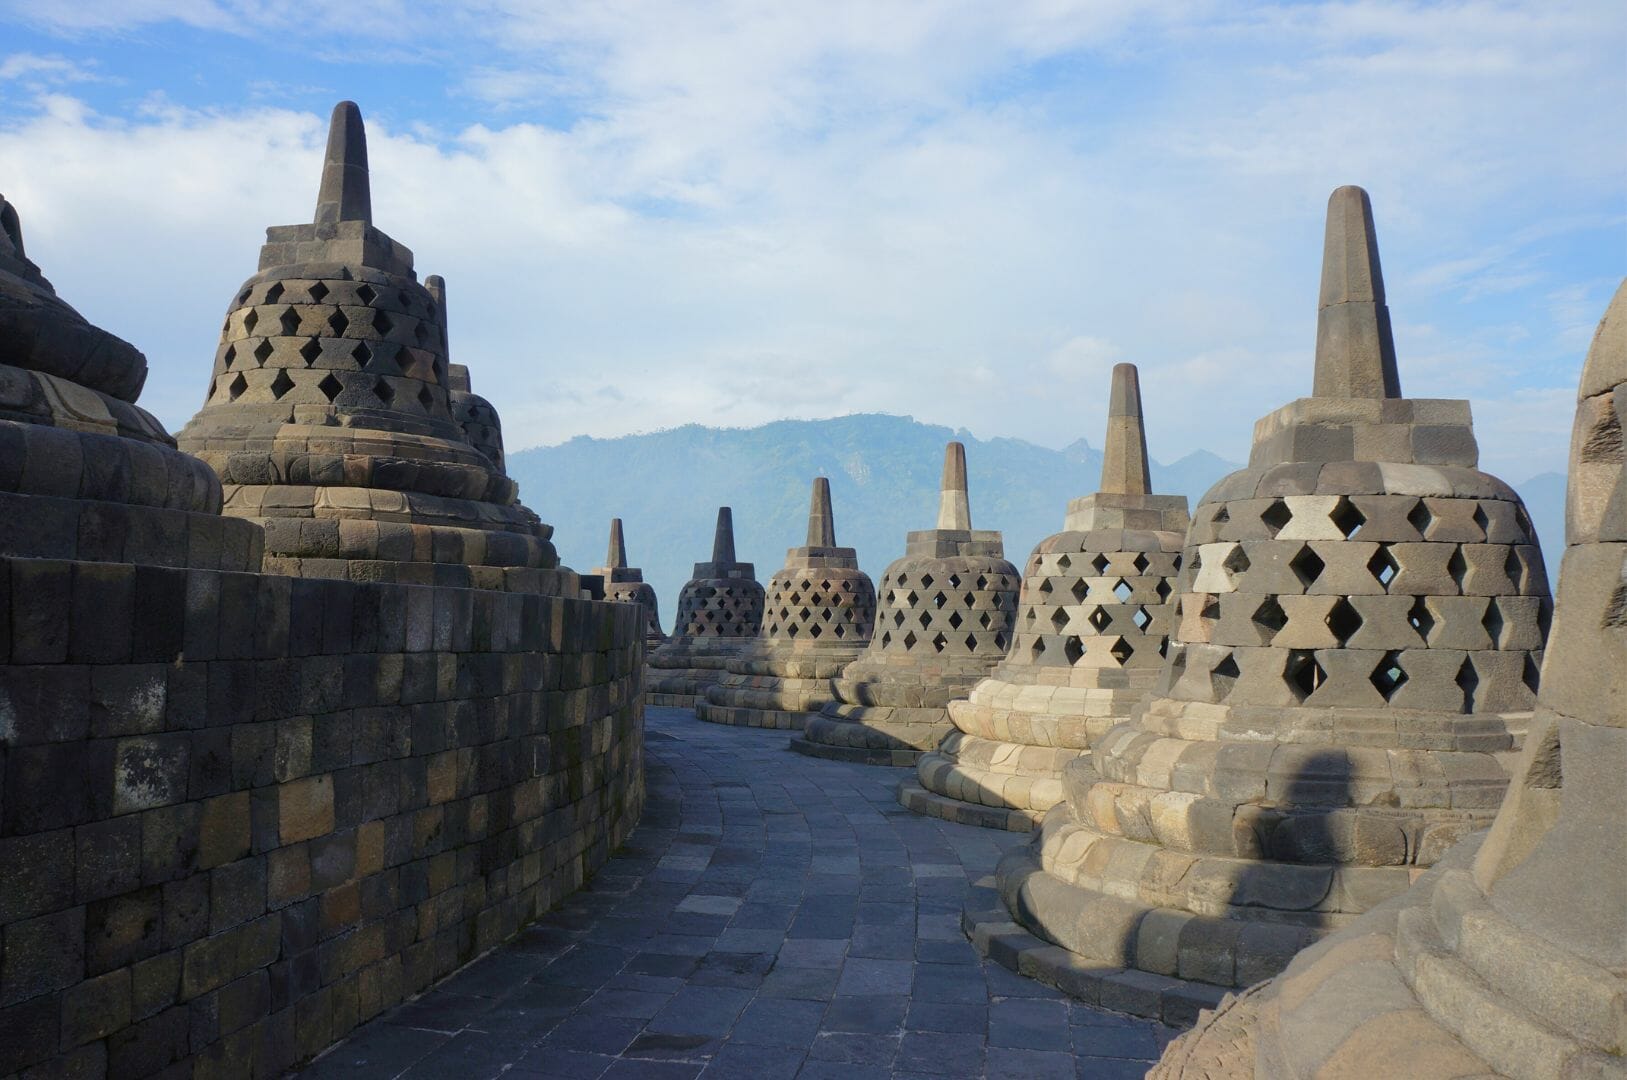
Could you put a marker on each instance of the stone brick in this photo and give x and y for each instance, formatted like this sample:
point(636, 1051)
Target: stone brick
point(96, 1008)
point(305, 808)
point(224, 830)
point(42, 954)
point(215, 961)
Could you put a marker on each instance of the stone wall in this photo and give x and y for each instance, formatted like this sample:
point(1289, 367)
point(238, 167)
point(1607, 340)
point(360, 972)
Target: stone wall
point(240, 814)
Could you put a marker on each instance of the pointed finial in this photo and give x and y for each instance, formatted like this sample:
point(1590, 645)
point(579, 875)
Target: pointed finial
point(723, 539)
point(11, 230)
point(617, 557)
point(1355, 351)
point(954, 507)
point(1124, 459)
point(345, 195)
point(821, 520)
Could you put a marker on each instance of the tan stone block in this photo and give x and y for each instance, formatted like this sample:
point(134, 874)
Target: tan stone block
point(305, 808)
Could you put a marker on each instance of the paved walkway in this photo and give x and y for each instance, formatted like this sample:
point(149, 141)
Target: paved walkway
point(774, 916)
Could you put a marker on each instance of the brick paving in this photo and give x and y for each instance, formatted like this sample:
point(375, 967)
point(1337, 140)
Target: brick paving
point(773, 916)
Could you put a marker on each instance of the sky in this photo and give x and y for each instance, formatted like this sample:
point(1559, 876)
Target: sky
point(660, 212)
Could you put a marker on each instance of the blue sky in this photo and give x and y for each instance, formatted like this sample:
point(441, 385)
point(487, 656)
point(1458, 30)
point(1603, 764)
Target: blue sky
point(654, 213)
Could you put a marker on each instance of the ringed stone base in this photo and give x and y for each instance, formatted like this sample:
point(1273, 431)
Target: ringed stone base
point(912, 796)
point(877, 734)
point(765, 690)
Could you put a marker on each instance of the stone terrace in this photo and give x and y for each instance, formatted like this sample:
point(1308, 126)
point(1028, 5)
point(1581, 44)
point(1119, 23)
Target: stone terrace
point(773, 916)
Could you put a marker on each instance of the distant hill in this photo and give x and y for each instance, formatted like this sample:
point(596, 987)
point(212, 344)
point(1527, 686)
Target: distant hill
point(666, 487)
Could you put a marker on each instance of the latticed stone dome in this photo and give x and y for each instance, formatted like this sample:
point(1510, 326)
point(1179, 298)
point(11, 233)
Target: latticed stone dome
point(625, 584)
point(1093, 621)
point(945, 618)
point(1362, 614)
point(818, 616)
point(720, 610)
point(329, 416)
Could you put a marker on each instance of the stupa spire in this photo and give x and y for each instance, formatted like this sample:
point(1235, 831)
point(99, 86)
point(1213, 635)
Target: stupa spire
point(345, 194)
point(1124, 458)
point(954, 505)
point(723, 538)
point(821, 519)
point(1355, 351)
point(616, 557)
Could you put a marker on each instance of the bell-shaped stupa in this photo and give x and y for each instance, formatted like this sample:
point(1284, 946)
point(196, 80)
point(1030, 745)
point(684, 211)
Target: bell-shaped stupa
point(818, 617)
point(720, 610)
point(1362, 614)
point(1093, 622)
point(626, 585)
point(330, 415)
point(1510, 957)
point(946, 618)
point(86, 475)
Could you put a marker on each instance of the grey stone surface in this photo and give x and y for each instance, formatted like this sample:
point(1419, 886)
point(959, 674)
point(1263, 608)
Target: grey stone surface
point(818, 616)
point(946, 617)
point(1360, 628)
point(1093, 622)
point(334, 420)
point(1510, 957)
point(733, 937)
point(720, 611)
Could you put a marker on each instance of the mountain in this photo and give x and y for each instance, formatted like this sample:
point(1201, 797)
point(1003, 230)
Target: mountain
point(884, 470)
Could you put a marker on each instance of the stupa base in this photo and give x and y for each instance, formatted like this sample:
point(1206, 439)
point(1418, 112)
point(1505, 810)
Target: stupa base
point(874, 734)
point(912, 796)
point(855, 755)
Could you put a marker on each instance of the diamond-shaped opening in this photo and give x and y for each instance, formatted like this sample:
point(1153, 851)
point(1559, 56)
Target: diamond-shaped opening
point(1468, 680)
point(1420, 619)
point(1493, 622)
point(1079, 590)
point(1059, 619)
point(274, 293)
point(898, 618)
point(1458, 567)
point(281, 384)
point(235, 388)
point(1123, 591)
point(926, 581)
point(384, 391)
point(1383, 566)
point(1269, 616)
point(1121, 650)
point(311, 350)
point(1307, 566)
point(318, 291)
point(984, 620)
point(1388, 677)
point(243, 297)
point(955, 620)
point(1222, 678)
point(250, 321)
point(1063, 562)
point(938, 642)
point(910, 639)
point(403, 359)
point(1030, 616)
point(999, 641)
point(911, 598)
point(1344, 620)
point(886, 638)
point(1045, 586)
point(361, 353)
point(1276, 516)
point(1222, 515)
point(1532, 673)
point(1480, 518)
point(425, 398)
point(365, 294)
point(982, 583)
point(1163, 590)
point(330, 386)
point(839, 630)
point(339, 322)
point(1420, 517)
point(954, 581)
point(1211, 608)
point(289, 321)
point(262, 352)
point(1072, 649)
point(1236, 561)
point(1099, 619)
point(925, 619)
point(1515, 569)
point(815, 630)
point(939, 600)
point(1141, 563)
point(1099, 564)
point(229, 355)
point(1141, 618)
point(1304, 674)
point(1347, 518)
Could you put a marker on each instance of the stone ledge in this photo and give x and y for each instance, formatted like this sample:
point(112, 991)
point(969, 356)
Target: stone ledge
point(913, 796)
point(856, 755)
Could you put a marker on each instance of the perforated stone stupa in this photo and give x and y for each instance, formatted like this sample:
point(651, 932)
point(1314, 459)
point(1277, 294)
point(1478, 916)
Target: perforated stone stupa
point(720, 610)
point(625, 584)
point(817, 618)
point(946, 618)
point(1093, 622)
point(1510, 957)
point(1362, 619)
point(330, 414)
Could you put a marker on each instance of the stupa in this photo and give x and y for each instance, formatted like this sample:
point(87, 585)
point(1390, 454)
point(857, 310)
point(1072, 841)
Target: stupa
point(1093, 621)
point(1510, 957)
point(86, 474)
point(626, 585)
point(817, 618)
point(946, 618)
point(474, 414)
point(720, 610)
point(1362, 615)
point(330, 420)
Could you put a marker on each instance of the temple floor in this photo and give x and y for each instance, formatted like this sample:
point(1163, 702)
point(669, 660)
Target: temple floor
point(774, 915)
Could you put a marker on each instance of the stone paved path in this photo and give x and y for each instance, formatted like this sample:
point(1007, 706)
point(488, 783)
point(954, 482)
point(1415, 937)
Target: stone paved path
point(774, 916)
